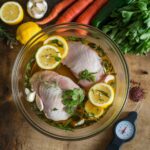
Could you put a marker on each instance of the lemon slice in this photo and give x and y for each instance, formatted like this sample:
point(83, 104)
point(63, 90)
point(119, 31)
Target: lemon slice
point(48, 57)
point(11, 13)
point(101, 94)
point(93, 111)
point(60, 42)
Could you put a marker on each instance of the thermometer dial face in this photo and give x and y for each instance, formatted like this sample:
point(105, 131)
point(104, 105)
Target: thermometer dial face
point(124, 130)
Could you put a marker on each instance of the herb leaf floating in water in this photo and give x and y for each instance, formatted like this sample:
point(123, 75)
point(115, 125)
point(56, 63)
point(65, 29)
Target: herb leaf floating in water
point(86, 75)
point(103, 93)
point(72, 98)
point(129, 27)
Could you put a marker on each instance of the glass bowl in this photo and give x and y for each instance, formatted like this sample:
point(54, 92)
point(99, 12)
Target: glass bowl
point(93, 35)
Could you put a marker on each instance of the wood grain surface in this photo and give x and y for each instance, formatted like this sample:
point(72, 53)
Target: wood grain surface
point(17, 134)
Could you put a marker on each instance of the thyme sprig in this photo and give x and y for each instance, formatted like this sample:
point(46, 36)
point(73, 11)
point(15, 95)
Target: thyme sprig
point(7, 37)
point(86, 75)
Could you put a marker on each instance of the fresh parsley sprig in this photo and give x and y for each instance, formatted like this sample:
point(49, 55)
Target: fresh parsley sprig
point(72, 98)
point(129, 27)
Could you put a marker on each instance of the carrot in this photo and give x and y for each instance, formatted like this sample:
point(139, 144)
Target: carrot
point(88, 14)
point(55, 11)
point(73, 11)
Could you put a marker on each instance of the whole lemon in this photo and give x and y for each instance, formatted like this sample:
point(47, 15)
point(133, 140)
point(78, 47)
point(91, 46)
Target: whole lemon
point(27, 30)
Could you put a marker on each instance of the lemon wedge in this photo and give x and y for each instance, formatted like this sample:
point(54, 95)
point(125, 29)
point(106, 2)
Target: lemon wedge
point(60, 43)
point(93, 111)
point(48, 57)
point(101, 95)
point(26, 31)
point(11, 13)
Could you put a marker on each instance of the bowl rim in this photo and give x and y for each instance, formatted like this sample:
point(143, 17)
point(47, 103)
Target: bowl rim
point(16, 63)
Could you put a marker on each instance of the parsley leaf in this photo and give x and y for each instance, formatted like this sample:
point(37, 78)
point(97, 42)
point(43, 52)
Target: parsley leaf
point(72, 98)
point(129, 27)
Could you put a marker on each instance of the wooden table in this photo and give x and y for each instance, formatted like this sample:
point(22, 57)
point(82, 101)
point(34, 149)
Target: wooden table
point(17, 134)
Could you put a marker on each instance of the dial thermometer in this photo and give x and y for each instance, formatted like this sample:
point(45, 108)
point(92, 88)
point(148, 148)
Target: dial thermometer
point(124, 130)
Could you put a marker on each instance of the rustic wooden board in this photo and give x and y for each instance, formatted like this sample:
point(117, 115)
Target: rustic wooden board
point(17, 134)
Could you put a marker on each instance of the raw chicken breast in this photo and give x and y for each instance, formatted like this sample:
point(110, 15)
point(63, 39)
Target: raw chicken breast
point(49, 86)
point(82, 57)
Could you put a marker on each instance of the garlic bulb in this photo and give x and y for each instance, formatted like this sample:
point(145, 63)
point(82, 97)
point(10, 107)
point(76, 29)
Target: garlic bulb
point(37, 8)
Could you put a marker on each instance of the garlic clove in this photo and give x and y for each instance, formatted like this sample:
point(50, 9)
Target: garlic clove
point(80, 122)
point(27, 91)
point(30, 4)
point(109, 78)
point(31, 96)
point(39, 103)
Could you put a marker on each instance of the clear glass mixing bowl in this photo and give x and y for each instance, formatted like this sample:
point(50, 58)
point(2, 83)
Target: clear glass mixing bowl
point(93, 35)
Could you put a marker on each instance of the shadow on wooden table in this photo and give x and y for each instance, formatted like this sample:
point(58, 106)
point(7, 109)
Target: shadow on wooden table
point(108, 135)
point(10, 122)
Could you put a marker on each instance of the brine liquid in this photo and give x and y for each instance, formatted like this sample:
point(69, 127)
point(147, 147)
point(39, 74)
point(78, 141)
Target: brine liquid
point(63, 70)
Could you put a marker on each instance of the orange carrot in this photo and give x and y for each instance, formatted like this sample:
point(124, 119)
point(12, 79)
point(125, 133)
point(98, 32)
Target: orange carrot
point(88, 14)
point(55, 11)
point(73, 11)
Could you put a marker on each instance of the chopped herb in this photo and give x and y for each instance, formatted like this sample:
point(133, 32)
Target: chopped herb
point(72, 98)
point(57, 58)
point(73, 38)
point(103, 93)
point(101, 53)
point(54, 41)
point(86, 75)
point(57, 43)
point(107, 66)
point(54, 109)
point(61, 126)
point(77, 39)
point(92, 45)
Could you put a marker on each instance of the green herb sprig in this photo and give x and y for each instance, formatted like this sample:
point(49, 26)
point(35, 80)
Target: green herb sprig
point(86, 75)
point(103, 93)
point(72, 98)
point(129, 27)
point(6, 36)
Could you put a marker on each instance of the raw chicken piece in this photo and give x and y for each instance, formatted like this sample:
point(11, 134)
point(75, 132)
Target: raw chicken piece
point(81, 57)
point(49, 87)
